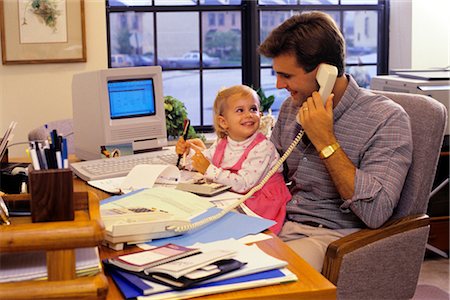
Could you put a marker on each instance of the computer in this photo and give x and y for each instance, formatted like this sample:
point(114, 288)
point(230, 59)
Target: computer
point(117, 107)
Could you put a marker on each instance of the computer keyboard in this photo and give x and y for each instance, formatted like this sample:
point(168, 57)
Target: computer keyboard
point(120, 166)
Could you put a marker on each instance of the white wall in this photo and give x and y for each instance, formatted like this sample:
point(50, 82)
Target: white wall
point(419, 34)
point(35, 94)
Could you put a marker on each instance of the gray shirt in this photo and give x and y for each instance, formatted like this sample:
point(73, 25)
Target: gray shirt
point(375, 133)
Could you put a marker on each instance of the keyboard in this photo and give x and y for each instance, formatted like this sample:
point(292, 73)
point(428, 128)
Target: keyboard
point(120, 166)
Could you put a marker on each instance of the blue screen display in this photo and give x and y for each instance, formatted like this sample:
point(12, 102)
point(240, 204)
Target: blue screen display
point(131, 98)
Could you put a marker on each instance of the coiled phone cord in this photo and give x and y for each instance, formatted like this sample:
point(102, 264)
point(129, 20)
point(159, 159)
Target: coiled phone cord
point(250, 193)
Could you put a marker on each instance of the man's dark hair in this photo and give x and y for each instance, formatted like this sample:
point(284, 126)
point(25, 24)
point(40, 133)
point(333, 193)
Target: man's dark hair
point(313, 37)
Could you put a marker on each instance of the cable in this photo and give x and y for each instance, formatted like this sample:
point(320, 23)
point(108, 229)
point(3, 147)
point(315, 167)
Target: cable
point(250, 193)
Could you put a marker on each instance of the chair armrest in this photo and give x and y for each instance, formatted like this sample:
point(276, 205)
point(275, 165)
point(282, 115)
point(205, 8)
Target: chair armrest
point(339, 248)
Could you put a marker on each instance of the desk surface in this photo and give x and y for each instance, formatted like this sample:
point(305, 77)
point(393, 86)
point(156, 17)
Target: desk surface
point(310, 284)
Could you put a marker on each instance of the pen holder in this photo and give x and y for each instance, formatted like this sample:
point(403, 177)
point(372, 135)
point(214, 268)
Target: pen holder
point(51, 195)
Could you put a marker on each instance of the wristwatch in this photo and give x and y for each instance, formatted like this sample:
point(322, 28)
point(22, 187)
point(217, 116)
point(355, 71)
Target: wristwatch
point(328, 150)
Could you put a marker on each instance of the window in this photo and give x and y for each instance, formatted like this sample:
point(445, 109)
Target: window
point(204, 45)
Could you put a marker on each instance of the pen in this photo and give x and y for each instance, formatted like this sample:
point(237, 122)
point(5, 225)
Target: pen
point(34, 159)
point(187, 122)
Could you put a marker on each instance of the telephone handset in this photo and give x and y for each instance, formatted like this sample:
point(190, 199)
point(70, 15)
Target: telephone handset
point(326, 78)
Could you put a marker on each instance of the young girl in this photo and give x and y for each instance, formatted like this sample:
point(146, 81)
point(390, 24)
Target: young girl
point(241, 156)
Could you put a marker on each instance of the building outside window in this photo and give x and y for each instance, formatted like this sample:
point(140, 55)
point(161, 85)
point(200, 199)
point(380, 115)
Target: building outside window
point(205, 45)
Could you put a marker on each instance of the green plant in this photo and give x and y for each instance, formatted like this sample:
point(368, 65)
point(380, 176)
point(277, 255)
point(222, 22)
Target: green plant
point(176, 113)
point(266, 101)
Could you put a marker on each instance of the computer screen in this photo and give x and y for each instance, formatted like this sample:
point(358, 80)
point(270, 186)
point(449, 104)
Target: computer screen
point(131, 98)
point(121, 107)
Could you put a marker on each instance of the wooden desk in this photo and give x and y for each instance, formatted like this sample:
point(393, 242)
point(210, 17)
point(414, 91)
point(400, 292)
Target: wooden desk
point(310, 285)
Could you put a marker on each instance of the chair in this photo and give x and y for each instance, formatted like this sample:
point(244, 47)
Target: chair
point(385, 263)
point(64, 128)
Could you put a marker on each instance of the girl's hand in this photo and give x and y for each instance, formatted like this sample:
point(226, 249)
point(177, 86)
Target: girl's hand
point(182, 146)
point(197, 144)
point(200, 162)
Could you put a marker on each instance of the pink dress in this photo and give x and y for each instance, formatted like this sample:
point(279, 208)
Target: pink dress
point(270, 201)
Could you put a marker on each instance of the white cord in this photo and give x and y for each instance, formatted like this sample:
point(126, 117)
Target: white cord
point(250, 193)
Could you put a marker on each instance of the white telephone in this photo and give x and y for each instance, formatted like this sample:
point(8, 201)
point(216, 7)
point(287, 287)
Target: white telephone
point(326, 78)
point(138, 229)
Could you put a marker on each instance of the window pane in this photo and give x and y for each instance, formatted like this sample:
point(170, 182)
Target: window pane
point(268, 85)
point(220, 2)
point(363, 74)
point(178, 39)
point(276, 2)
point(318, 2)
point(374, 2)
point(213, 81)
point(129, 2)
point(185, 86)
point(361, 34)
point(268, 21)
point(131, 39)
point(222, 41)
point(175, 2)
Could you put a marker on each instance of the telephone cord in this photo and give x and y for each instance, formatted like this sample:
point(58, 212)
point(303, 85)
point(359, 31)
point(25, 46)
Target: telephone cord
point(250, 193)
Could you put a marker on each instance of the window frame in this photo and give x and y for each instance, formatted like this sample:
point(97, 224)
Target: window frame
point(250, 34)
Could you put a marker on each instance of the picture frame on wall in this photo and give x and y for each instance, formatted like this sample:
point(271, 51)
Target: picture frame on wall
point(42, 31)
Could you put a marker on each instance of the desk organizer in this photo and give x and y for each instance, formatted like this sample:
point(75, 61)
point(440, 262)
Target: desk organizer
point(51, 195)
point(59, 240)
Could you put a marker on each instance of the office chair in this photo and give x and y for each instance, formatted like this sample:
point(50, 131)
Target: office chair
point(385, 263)
point(64, 128)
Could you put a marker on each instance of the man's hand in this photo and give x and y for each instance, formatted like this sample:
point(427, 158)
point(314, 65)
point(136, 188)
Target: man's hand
point(317, 120)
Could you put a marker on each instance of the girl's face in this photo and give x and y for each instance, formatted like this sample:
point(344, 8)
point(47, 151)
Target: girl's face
point(241, 117)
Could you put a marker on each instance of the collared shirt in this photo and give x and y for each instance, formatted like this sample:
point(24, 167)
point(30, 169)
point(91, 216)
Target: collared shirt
point(375, 133)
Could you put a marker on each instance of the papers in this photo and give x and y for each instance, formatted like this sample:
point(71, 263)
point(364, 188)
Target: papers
point(245, 282)
point(32, 265)
point(143, 176)
point(177, 204)
point(184, 266)
point(256, 260)
point(142, 260)
point(260, 269)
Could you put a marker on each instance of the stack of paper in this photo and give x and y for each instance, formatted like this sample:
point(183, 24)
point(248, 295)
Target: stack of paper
point(261, 269)
point(32, 265)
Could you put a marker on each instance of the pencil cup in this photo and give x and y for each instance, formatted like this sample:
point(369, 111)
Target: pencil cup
point(51, 195)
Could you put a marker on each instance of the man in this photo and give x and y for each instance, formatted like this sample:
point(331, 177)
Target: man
point(349, 171)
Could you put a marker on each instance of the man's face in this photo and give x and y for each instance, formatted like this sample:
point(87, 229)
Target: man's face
point(293, 78)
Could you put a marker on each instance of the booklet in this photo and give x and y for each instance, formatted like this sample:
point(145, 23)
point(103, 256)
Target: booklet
point(139, 261)
point(161, 280)
point(187, 265)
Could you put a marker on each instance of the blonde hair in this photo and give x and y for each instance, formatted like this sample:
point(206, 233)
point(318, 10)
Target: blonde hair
point(221, 101)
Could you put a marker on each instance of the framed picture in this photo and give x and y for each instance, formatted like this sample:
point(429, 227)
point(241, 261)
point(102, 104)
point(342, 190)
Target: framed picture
point(42, 31)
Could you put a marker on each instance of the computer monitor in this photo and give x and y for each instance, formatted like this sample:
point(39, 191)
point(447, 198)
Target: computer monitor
point(121, 107)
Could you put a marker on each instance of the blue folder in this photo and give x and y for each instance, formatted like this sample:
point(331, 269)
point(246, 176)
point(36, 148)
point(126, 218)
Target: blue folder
point(232, 225)
point(130, 291)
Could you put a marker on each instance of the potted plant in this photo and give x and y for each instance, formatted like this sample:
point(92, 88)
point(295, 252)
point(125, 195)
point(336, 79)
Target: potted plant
point(267, 119)
point(176, 113)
